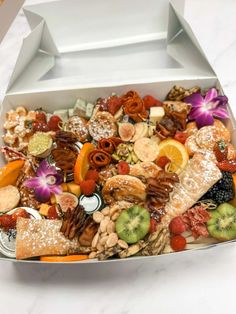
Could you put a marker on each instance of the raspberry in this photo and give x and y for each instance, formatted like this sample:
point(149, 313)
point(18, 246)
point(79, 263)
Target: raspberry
point(7, 222)
point(41, 117)
point(54, 123)
point(40, 126)
point(162, 161)
point(178, 243)
point(113, 104)
point(88, 187)
point(123, 167)
point(150, 101)
point(92, 174)
point(181, 137)
point(177, 225)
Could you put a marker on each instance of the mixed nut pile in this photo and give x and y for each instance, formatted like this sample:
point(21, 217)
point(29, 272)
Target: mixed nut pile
point(127, 175)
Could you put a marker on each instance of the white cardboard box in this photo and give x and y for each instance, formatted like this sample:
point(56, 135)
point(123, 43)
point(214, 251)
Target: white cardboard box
point(82, 50)
point(8, 11)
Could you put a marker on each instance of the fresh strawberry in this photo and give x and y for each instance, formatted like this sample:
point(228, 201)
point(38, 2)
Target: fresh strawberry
point(162, 161)
point(113, 104)
point(92, 174)
point(150, 101)
point(123, 167)
point(178, 243)
point(88, 187)
point(7, 222)
point(52, 212)
point(153, 225)
point(54, 123)
point(20, 212)
point(41, 117)
point(177, 226)
point(227, 165)
point(40, 127)
point(181, 137)
point(221, 150)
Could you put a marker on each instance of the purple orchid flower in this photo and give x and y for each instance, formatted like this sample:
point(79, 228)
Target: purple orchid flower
point(204, 109)
point(47, 181)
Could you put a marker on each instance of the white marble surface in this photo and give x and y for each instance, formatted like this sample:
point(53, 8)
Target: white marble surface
point(203, 282)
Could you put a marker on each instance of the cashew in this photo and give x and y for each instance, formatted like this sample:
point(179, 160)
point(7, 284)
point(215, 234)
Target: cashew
point(98, 217)
point(100, 247)
point(103, 240)
point(92, 255)
point(112, 240)
point(95, 240)
point(105, 211)
point(103, 224)
point(110, 227)
point(115, 216)
point(122, 244)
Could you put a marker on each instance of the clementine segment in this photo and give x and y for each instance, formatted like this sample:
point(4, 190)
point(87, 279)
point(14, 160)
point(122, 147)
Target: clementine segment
point(82, 164)
point(10, 172)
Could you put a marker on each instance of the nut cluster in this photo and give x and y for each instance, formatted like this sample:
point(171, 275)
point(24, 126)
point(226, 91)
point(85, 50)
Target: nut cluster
point(106, 238)
point(158, 191)
point(179, 93)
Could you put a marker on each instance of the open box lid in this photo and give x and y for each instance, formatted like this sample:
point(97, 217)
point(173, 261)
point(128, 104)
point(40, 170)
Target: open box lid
point(8, 11)
point(78, 44)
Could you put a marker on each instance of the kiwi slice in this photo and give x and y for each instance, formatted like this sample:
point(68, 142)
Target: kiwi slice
point(133, 224)
point(222, 224)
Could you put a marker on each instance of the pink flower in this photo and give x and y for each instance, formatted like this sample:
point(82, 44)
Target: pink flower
point(47, 181)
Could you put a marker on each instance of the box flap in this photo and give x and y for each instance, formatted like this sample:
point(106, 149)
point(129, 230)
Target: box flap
point(8, 11)
point(107, 44)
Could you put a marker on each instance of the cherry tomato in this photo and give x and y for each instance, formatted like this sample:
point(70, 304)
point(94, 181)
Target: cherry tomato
point(123, 167)
point(181, 137)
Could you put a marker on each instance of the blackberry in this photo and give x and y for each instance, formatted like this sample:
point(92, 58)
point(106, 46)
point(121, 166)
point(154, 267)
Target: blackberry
point(223, 190)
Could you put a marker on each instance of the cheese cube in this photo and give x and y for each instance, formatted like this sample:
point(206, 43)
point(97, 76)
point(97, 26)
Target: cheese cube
point(156, 114)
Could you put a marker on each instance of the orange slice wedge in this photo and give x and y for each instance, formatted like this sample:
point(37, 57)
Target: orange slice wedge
point(68, 258)
point(176, 152)
point(10, 172)
point(82, 164)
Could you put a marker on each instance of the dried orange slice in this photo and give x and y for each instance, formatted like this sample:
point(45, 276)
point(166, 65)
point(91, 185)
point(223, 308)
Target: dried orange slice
point(176, 152)
point(10, 172)
point(68, 258)
point(82, 164)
